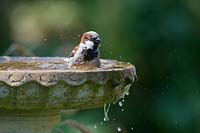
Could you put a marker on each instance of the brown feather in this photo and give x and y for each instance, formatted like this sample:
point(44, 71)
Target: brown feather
point(85, 36)
point(74, 51)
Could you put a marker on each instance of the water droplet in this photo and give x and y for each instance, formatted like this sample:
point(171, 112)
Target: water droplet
point(127, 93)
point(126, 89)
point(111, 52)
point(120, 57)
point(106, 110)
point(105, 119)
point(131, 128)
point(123, 100)
point(119, 129)
point(114, 119)
point(120, 104)
point(95, 126)
point(122, 110)
point(45, 39)
point(101, 123)
point(114, 102)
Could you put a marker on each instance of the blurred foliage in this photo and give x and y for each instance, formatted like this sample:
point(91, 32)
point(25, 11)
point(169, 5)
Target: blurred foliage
point(160, 37)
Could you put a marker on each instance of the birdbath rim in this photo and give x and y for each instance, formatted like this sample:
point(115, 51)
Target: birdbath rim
point(118, 65)
point(50, 70)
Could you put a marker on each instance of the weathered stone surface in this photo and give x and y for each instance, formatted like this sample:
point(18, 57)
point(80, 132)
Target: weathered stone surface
point(34, 89)
point(38, 88)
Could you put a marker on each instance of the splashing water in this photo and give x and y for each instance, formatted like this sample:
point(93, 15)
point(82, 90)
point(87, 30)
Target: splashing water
point(106, 110)
point(45, 39)
point(123, 100)
point(95, 126)
point(119, 129)
point(120, 104)
point(127, 87)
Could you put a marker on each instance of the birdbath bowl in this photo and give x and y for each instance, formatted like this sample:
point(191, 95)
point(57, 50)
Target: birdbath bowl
point(33, 90)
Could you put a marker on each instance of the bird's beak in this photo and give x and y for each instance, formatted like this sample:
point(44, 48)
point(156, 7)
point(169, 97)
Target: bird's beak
point(98, 40)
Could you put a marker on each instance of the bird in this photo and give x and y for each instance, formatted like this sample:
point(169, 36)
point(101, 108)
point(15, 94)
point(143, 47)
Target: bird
point(87, 52)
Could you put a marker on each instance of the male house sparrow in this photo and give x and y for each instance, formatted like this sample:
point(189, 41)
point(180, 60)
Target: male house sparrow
point(87, 52)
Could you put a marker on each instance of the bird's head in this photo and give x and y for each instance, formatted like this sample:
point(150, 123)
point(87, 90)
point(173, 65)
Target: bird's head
point(91, 36)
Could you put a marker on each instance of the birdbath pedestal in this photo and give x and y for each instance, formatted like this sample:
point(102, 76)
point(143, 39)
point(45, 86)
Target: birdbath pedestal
point(33, 90)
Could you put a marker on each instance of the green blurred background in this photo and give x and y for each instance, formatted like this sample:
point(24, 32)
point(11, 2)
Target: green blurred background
point(160, 37)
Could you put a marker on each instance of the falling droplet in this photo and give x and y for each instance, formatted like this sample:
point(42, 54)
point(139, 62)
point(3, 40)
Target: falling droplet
point(132, 128)
point(122, 110)
point(126, 89)
point(123, 100)
point(101, 123)
point(95, 126)
point(127, 93)
point(106, 110)
point(120, 104)
point(105, 119)
point(119, 129)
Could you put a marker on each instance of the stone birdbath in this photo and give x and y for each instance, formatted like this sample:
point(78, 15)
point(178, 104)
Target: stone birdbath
point(33, 90)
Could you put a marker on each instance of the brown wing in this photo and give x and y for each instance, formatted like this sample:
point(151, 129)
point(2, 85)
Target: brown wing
point(74, 51)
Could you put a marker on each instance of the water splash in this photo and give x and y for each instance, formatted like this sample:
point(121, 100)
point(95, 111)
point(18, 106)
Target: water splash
point(95, 126)
point(45, 39)
point(120, 104)
point(126, 89)
point(119, 129)
point(106, 110)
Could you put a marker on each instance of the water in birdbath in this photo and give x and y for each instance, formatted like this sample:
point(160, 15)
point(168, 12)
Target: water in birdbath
point(56, 64)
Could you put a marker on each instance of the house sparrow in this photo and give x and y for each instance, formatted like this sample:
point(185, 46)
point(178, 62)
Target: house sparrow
point(87, 52)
